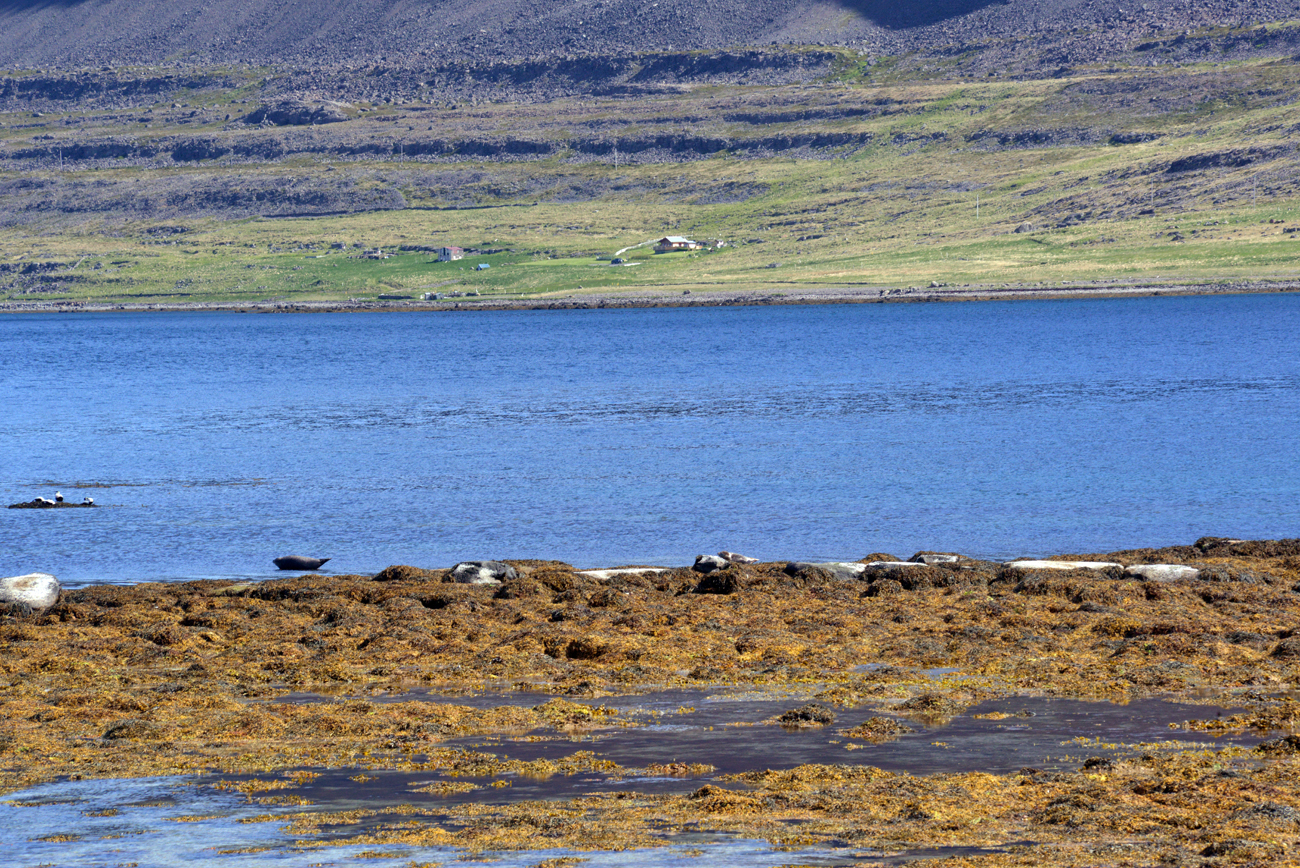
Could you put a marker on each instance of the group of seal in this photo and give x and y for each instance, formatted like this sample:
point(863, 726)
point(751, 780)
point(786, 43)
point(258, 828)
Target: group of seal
point(482, 571)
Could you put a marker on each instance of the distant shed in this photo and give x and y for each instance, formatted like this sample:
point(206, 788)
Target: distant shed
point(450, 254)
point(670, 243)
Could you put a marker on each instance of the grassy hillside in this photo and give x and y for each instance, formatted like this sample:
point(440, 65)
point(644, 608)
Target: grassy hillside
point(869, 177)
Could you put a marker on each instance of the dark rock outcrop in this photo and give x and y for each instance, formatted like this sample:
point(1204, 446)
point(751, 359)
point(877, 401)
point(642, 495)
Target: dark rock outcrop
point(298, 113)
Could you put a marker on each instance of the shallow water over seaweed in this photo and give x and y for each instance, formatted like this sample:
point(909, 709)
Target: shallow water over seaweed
point(172, 821)
point(737, 733)
point(213, 443)
point(155, 822)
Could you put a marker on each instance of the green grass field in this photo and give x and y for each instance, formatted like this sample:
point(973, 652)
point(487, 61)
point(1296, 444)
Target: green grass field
point(955, 210)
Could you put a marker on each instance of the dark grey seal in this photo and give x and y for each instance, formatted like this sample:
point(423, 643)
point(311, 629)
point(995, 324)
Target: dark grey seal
point(297, 562)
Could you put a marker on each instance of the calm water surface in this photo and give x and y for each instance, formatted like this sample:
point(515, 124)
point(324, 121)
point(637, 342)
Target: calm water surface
point(216, 442)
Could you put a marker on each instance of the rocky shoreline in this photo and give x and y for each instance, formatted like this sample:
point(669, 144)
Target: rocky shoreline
point(802, 295)
point(263, 686)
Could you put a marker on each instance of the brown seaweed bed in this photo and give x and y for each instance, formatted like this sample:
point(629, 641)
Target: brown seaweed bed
point(967, 713)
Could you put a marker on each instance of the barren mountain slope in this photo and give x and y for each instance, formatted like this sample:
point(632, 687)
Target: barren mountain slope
point(40, 33)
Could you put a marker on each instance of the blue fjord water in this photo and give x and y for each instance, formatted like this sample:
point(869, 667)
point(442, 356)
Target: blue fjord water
point(215, 442)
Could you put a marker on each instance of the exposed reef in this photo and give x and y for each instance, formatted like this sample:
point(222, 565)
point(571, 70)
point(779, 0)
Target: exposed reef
point(258, 681)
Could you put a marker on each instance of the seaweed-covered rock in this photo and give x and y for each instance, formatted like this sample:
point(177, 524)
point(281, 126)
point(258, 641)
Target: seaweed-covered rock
point(1169, 675)
point(1237, 848)
point(878, 729)
point(1209, 543)
point(1068, 584)
point(883, 588)
point(1246, 637)
point(1239, 548)
point(584, 648)
point(165, 635)
point(718, 800)
point(915, 575)
point(1220, 573)
point(1287, 649)
point(450, 595)
point(403, 573)
point(720, 582)
point(932, 706)
point(1269, 812)
point(812, 714)
point(1287, 744)
point(611, 598)
point(133, 729)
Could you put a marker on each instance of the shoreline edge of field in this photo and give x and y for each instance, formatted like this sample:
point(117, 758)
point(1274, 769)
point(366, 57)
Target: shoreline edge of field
point(719, 298)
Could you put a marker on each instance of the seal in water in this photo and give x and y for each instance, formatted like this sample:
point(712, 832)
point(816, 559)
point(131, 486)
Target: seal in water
point(297, 562)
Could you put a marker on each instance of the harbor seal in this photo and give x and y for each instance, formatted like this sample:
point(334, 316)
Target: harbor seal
point(298, 562)
point(34, 592)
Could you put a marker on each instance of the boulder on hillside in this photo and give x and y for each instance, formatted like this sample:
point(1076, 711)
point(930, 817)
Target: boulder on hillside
point(287, 113)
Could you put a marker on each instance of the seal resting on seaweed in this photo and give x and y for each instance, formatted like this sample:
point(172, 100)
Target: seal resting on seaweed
point(34, 592)
point(298, 562)
point(482, 572)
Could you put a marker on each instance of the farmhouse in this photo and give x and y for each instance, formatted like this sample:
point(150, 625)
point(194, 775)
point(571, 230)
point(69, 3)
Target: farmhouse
point(676, 242)
point(450, 254)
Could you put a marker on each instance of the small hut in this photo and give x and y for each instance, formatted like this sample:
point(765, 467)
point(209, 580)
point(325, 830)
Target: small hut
point(670, 243)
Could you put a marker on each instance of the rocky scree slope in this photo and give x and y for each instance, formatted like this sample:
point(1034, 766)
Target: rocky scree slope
point(36, 34)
